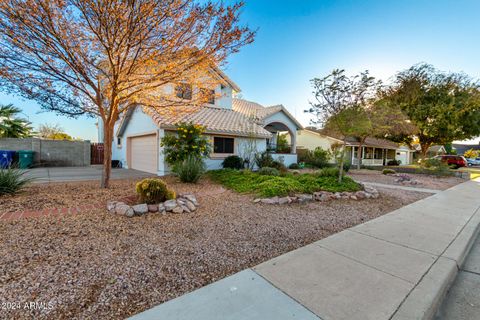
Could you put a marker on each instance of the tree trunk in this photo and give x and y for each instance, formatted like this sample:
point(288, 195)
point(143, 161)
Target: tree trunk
point(342, 159)
point(424, 148)
point(107, 154)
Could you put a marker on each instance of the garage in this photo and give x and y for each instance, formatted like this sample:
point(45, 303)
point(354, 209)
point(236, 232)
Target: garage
point(143, 153)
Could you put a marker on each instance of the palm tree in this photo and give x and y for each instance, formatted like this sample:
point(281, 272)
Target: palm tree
point(12, 127)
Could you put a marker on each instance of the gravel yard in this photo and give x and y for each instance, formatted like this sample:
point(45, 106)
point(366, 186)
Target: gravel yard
point(425, 181)
point(95, 265)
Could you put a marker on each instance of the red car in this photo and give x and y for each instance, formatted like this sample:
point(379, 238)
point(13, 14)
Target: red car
point(455, 161)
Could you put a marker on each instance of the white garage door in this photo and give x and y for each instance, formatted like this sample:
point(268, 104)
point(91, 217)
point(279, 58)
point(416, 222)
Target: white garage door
point(403, 157)
point(143, 153)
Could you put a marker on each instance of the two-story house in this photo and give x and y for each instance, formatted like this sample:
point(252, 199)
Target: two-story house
point(231, 125)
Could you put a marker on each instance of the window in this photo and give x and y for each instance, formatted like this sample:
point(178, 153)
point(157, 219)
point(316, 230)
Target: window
point(208, 95)
point(223, 145)
point(184, 91)
point(119, 141)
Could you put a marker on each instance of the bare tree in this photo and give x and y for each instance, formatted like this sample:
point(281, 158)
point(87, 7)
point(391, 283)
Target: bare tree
point(338, 101)
point(102, 57)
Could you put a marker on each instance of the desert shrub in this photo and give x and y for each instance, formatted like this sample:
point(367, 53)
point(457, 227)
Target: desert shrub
point(232, 162)
point(388, 171)
point(294, 166)
point(152, 190)
point(430, 162)
point(434, 166)
point(190, 169)
point(317, 158)
point(12, 180)
point(264, 159)
point(328, 172)
point(267, 171)
point(394, 163)
point(189, 140)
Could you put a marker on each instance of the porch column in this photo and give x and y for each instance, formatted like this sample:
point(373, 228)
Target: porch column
point(293, 142)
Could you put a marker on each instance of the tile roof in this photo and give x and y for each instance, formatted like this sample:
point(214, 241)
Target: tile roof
point(258, 111)
point(216, 120)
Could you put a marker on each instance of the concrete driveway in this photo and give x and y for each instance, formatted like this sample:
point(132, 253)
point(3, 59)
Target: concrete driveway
point(62, 174)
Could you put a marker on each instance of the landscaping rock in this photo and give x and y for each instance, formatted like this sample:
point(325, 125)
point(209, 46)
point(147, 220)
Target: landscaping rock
point(170, 204)
point(257, 200)
point(152, 207)
point(111, 206)
point(124, 210)
point(191, 198)
point(185, 209)
point(161, 208)
point(273, 200)
point(284, 200)
point(177, 209)
point(140, 208)
point(190, 206)
point(304, 198)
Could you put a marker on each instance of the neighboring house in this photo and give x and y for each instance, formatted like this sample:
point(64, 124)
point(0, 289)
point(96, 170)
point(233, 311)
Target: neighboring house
point(375, 152)
point(435, 150)
point(232, 126)
point(462, 148)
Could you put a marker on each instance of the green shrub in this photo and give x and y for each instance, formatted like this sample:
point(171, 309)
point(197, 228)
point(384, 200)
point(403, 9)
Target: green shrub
point(267, 171)
point(233, 162)
point(189, 140)
point(12, 180)
point(394, 162)
point(430, 162)
point(278, 186)
point(269, 186)
point(317, 158)
point(294, 166)
point(328, 172)
point(388, 171)
point(190, 169)
point(346, 167)
point(264, 159)
point(152, 190)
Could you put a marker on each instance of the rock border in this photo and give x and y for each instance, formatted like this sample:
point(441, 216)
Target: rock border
point(184, 203)
point(368, 192)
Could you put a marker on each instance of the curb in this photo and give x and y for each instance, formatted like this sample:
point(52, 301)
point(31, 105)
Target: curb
point(425, 299)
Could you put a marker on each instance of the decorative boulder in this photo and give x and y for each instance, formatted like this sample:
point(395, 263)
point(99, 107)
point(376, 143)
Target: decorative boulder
point(124, 210)
point(111, 206)
point(140, 208)
point(177, 209)
point(170, 205)
point(191, 198)
point(152, 207)
point(191, 206)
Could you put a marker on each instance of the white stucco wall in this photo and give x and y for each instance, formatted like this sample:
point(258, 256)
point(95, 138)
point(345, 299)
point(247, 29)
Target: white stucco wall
point(139, 124)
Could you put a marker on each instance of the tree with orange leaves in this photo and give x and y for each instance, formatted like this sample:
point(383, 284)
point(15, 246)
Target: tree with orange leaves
point(102, 57)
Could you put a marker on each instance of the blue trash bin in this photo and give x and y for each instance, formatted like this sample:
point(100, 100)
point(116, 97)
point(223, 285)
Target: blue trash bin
point(6, 158)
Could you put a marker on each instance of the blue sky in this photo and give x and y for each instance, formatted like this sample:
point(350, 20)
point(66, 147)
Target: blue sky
point(302, 39)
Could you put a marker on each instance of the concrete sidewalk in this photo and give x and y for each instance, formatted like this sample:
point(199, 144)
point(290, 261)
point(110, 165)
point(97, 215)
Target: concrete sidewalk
point(94, 172)
point(398, 266)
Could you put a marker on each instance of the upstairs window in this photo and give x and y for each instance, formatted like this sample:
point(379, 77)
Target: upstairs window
point(223, 145)
point(184, 91)
point(208, 95)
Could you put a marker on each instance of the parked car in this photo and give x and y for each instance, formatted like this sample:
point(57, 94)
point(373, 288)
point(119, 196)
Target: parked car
point(473, 162)
point(454, 161)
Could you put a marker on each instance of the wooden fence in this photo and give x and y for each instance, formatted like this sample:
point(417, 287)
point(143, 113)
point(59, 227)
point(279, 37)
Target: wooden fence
point(96, 154)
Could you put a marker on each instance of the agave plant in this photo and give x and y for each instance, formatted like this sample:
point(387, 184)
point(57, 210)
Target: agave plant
point(12, 180)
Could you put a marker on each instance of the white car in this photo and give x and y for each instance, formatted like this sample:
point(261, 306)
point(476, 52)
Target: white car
point(473, 162)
